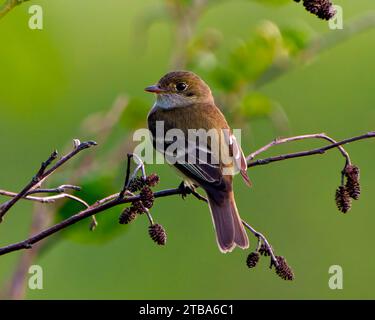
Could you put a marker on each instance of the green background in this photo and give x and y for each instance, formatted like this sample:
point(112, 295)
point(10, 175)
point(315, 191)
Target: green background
point(88, 53)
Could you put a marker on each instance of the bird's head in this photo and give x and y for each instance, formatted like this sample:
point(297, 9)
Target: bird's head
point(179, 89)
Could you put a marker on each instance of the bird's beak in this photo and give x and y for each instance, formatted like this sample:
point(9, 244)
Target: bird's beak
point(155, 89)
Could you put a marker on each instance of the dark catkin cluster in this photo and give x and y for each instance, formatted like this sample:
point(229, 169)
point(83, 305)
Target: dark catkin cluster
point(127, 216)
point(252, 259)
point(343, 200)
point(139, 182)
point(351, 189)
point(143, 186)
point(138, 207)
point(264, 250)
point(147, 197)
point(323, 9)
point(352, 181)
point(157, 234)
point(136, 184)
point(283, 270)
point(152, 180)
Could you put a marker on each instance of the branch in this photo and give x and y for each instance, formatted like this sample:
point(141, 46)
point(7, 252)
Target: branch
point(322, 150)
point(303, 137)
point(60, 189)
point(262, 238)
point(278, 141)
point(123, 197)
point(43, 173)
point(31, 198)
point(50, 199)
point(27, 244)
point(9, 5)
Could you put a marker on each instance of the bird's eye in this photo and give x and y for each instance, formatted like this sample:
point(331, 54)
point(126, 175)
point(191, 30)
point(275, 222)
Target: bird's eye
point(181, 86)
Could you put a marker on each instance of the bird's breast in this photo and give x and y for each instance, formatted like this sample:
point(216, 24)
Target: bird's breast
point(194, 116)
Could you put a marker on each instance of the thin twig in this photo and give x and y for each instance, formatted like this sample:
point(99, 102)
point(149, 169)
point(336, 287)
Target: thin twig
point(70, 196)
point(323, 136)
point(107, 199)
point(141, 166)
point(49, 199)
point(322, 150)
point(33, 183)
point(264, 239)
point(42, 174)
point(279, 141)
point(128, 177)
point(61, 189)
point(31, 198)
point(9, 5)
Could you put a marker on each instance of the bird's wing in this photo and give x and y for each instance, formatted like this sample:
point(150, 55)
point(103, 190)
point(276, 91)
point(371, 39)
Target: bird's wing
point(237, 156)
point(208, 162)
point(196, 161)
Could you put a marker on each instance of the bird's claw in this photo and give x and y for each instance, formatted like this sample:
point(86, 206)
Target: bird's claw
point(185, 190)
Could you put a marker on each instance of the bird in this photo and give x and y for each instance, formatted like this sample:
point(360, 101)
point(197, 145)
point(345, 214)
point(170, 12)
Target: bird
point(184, 102)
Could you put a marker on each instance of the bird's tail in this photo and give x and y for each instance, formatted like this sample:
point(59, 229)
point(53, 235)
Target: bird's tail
point(228, 225)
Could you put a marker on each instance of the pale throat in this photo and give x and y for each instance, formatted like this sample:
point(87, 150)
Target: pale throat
point(171, 101)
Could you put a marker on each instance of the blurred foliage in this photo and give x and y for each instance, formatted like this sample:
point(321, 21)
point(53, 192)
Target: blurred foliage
point(234, 73)
point(250, 58)
point(135, 114)
point(273, 2)
point(255, 105)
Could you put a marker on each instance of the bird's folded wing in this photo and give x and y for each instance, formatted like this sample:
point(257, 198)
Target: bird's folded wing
point(237, 156)
point(200, 163)
point(206, 161)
